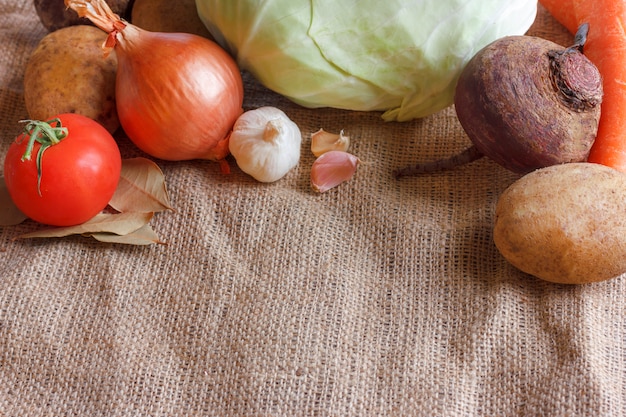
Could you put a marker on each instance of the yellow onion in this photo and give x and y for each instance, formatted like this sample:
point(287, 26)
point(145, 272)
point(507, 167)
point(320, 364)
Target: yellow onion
point(178, 95)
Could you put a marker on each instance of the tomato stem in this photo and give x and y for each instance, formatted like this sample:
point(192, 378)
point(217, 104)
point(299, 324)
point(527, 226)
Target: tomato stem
point(46, 134)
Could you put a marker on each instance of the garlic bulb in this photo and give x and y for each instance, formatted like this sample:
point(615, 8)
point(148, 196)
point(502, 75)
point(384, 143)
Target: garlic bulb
point(265, 143)
point(323, 141)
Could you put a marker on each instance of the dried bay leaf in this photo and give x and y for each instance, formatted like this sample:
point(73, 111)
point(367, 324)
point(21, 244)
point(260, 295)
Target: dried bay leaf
point(140, 194)
point(141, 188)
point(10, 215)
point(142, 236)
point(113, 223)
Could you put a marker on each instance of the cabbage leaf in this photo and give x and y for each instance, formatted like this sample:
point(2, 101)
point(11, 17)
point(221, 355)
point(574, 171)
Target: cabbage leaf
point(402, 57)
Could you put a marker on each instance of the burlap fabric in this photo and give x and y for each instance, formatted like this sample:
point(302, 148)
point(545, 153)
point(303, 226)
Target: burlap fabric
point(378, 298)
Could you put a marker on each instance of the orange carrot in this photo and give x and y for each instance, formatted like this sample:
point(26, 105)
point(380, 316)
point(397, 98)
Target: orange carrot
point(606, 48)
point(563, 12)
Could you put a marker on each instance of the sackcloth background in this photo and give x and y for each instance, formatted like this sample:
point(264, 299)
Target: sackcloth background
point(378, 298)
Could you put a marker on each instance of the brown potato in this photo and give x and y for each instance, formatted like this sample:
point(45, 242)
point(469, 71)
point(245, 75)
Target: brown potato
point(168, 16)
point(565, 223)
point(54, 15)
point(68, 73)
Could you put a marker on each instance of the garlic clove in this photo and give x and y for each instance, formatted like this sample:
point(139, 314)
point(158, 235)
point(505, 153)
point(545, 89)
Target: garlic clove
point(322, 142)
point(331, 169)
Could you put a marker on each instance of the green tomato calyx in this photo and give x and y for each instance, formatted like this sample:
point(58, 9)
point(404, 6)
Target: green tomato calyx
point(46, 134)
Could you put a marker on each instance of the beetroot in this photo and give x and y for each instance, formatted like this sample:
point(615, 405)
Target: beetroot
point(526, 103)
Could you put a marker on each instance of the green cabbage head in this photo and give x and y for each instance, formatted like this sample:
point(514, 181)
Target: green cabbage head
point(402, 57)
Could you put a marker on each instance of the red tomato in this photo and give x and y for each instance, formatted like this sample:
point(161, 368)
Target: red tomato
point(79, 174)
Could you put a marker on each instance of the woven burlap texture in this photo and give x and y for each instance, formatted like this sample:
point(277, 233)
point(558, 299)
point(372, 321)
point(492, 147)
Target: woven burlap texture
point(378, 298)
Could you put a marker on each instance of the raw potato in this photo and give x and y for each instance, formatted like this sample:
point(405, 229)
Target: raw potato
point(54, 15)
point(168, 16)
point(565, 223)
point(67, 73)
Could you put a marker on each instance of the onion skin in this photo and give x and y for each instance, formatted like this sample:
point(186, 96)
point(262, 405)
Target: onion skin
point(54, 15)
point(178, 95)
point(510, 101)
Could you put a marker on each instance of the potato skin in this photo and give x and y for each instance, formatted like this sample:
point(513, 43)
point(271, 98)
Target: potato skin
point(54, 15)
point(67, 73)
point(565, 223)
point(168, 16)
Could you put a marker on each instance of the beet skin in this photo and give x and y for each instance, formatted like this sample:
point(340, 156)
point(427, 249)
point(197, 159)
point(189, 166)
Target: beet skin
point(527, 102)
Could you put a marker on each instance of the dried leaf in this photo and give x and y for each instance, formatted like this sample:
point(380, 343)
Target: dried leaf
point(143, 236)
point(140, 193)
point(115, 223)
point(10, 215)
point(141, 188)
